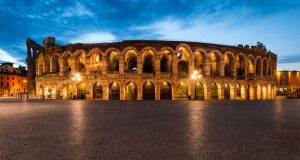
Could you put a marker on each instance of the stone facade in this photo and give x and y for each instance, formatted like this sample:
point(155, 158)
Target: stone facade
point(287, 82)
point(13, 80)
point(148, 69)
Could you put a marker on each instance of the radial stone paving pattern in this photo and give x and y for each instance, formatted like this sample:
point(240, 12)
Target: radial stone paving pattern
point(49, 129)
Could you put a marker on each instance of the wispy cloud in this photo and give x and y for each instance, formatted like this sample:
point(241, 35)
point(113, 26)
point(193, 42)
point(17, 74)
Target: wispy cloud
point(93, 37)
point(77, 10)
point(6, 57)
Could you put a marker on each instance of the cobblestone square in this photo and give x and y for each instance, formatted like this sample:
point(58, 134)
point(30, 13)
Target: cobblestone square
point(75, 129)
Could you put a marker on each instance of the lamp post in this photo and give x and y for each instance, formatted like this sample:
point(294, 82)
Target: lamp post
point(195, 76)
point(76, 78)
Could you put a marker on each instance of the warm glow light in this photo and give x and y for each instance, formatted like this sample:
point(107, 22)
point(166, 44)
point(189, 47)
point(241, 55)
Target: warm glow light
point(193, 76)
point(73, 78)
point(195, 72)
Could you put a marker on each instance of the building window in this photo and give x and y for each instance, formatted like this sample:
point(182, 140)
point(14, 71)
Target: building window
point(7, 78)
point(1, 83)
point(7, 84)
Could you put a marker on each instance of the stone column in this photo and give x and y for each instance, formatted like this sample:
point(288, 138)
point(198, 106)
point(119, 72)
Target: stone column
point(139, 66)
point(105, 91)
point(61, 66)
point(207, 67)
point(89, 90)
point(88, 66)
point(157, 65)
point(104, 66)
point(192, 64)
point(140, 91)
point(221, 67)
point(221, 91)
point(174, 66)
point(121, 66)
point(192, 85)
point(73, 65)
point(122, 91)
point(208, 92)
point(157, 91)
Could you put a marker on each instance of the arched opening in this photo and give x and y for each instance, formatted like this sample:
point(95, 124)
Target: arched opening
point(67, 63)
point(183, 57)
point(166, 91)
point(270, 68)
point(240, 67)
point(55, 64)
point(214, 91)
point(148, 59)
point(265, 67)
point(148, 91)
point(238, 90)
point(131, 91)
point(258, 68)
point(113, 61)
point(130, 61)
point(114, 91)
point(42, 94)
point(69, 92)
point(228, 65)
point(250, 68)
point(199, 60)
point(96, 62)
point(199, 91)
point(182, 90)
point(81, 91)
point(166, 61)
point(97, 91)
point(80, 63)
point(226, 91)
point(214, 64)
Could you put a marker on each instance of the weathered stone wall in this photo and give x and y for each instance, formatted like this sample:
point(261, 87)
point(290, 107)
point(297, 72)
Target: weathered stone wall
point(226, 71)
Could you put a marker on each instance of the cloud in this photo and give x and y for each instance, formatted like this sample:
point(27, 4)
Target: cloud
point(77, 10)
point(93, 37)
point(6, 57)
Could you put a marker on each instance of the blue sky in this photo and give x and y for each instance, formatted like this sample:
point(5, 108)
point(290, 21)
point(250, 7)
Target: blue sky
point(275, 23)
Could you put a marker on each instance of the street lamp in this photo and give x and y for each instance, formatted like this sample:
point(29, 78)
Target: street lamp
point(196, 75)
point(77, 77)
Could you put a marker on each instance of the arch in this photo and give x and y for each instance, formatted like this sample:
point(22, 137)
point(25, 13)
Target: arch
point(97, 91)
point(130, 58)
point(227, 91)
point(81, 91)
point(215, 58)
point(214, 91)
point(113, 59)
point(199, 91)
point(258, 67)
point(166, 91)
point(183, 60)
point(148, 61)
point(182, 90)
point(66, 57)
point(251, 67)
point(166, 60)
point(131, 91)
point(228, 64)
point(69, 91)
point(199, 60)
point(114, 91)
point(95, 55)
point(241, 66)
point(148, 91)
point(265, 67)
point(80, 61)
point(55, 63)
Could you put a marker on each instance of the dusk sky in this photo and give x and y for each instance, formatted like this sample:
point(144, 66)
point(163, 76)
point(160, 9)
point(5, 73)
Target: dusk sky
point(275, 23)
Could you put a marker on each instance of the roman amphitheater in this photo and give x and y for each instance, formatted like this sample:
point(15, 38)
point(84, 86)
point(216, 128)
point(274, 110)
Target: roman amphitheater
point(150, 69)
